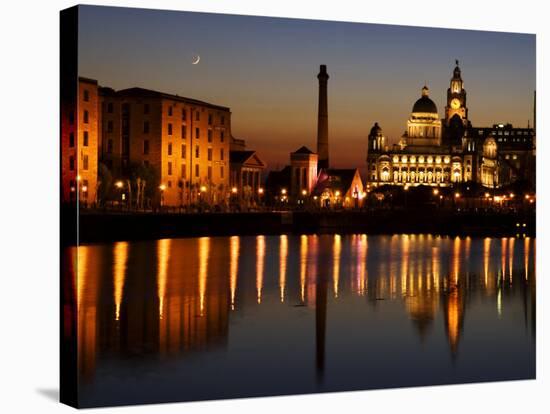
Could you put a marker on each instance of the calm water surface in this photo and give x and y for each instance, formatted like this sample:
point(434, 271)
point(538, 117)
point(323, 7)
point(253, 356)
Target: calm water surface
point(221, 317)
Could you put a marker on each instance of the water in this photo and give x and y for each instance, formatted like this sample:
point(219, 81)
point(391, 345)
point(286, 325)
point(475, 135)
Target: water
point(222, 317)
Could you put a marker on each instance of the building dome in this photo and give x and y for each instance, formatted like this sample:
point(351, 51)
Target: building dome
point(425, 104)
point(375, 130)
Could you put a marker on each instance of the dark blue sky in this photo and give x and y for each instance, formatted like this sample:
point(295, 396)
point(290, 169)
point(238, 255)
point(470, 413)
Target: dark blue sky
point(265, 70)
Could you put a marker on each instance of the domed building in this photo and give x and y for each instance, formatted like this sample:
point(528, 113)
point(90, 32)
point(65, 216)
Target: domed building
point(424, 125)
point(444, 152)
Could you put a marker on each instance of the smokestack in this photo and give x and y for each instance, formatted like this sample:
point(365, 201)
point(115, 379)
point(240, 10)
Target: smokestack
point(322, 119)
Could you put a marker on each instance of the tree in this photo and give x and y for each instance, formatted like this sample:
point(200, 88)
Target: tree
point(105, 182)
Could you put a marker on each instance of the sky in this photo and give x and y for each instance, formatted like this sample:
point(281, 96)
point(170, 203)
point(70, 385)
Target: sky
point(264, 69)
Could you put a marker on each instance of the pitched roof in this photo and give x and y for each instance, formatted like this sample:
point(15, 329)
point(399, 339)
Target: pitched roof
point(303, 150)
point(240, 157)
point(334, 178)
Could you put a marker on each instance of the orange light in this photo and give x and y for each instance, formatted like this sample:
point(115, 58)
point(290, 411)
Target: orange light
point(119, 184)
point(337, 193)
point(283, 191)
point(162, 187)
point(260, 190)
point(203, 188)
point(304, 192)
point(457, 195)
point(487, 195)
point(234, 190)
point(436, 191)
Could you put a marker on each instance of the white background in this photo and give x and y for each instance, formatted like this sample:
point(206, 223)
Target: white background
point(29, 194)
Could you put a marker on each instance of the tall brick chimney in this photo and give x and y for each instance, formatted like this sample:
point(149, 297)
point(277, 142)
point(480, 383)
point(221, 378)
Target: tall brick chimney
point(322, 119)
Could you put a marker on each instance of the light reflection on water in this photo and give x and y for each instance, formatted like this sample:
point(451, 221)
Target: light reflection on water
point(177, 319)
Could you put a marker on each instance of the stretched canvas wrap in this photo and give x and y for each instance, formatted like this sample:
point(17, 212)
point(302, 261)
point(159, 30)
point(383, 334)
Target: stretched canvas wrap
point(256, 206)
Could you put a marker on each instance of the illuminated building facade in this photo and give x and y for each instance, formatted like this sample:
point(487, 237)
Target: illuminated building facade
point(185, 140)
point(449, 151)
point(246, 169)
point(303, 171)
point(80, 120)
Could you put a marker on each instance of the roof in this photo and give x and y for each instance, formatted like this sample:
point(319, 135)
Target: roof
point(333, 178)
point(424, 104)
point(149, 93)
point(87, 80)
point(303, 150)
point(240, 157)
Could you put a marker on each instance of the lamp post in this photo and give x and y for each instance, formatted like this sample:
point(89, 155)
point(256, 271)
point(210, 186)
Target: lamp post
point(260, 194)
point(162, 187)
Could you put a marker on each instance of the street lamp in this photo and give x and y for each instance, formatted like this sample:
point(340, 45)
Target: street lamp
point(283, 191)
point(304, 192)
point(436, 191)
point(260, 190)
point(234, 190)
point(119, 184)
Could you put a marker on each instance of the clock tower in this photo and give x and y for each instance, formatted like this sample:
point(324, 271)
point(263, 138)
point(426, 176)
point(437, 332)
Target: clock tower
point(456, 109)
point(456, 112)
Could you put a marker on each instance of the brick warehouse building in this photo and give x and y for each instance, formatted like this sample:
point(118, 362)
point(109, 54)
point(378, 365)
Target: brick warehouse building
point(186, 141)
point(80, 144)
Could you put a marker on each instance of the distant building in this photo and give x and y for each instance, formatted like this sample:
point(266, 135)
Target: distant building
point(246, 169)
point(339, 188)
point(446, 152)
point(303, 165)
point(80, 120)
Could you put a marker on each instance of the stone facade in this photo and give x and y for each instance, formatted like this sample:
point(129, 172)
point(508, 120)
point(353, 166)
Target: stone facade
point(450, 151)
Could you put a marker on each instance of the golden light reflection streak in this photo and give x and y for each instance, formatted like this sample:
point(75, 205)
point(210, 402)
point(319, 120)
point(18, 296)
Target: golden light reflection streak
point(163, 255)
point(456, 259)
point(486, 256)
point(435, 267)
point(526, 257)
point(283, 256)
point(336, 252)
point(303, 262)
point(361, 263)
point(204, 252)
point(81, 272)
point(503, 242)
point(405, 246)
point(260, 255)
point(234, 245)
point(511, 242)
point(119, 272)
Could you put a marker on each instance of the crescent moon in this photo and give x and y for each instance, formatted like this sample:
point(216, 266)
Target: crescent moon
point(196, 59)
